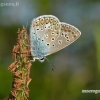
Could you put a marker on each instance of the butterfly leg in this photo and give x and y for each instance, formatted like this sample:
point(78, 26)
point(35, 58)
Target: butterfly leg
point(33, 60)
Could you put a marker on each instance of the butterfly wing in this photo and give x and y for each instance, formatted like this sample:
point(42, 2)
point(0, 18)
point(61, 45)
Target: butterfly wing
point(68, 34)
point(41, 31)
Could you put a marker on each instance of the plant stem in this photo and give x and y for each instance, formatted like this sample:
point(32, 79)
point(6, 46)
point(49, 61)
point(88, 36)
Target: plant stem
point(20, 67)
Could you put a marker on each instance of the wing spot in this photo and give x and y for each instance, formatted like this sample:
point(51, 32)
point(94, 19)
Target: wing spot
point(56, 27)
point(51, 28)
point(62, 28)
point(66, 36)
point(46, 36)
point(53, 39)
point(36, 23)
point(33, 48)
point(51, 20)
point(60, 41)
point(66, 28)
point(57, 33)
point(53, 45)
point(72, 32)
point(42, 21)
point(38, 38)
point(38, 48)
point(54, 22)
point(47, 20)
point(62, 34)
point(74, 36)
point(52, 33)
point(42, 40)
point(48, 44)
point(69, 30)
point(68, 40)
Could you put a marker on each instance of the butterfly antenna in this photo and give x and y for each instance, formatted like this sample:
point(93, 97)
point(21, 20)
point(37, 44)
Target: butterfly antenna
point(54, 68)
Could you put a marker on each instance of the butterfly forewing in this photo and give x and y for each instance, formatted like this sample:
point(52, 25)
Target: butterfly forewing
point(41, 31)
point(68, 34)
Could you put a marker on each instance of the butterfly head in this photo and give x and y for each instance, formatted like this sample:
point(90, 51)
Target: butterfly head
point(42, 59)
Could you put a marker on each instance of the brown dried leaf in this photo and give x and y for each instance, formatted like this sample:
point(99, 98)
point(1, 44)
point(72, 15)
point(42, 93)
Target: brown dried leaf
point(12, 67)
point(17, 73)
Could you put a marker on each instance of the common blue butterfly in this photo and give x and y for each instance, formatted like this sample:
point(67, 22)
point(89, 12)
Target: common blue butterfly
point(48, 35)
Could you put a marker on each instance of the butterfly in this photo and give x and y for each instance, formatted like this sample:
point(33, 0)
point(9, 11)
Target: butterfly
point(48, 35)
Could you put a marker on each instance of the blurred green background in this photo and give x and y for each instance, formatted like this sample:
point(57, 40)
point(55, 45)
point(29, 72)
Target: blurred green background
point(78, 65)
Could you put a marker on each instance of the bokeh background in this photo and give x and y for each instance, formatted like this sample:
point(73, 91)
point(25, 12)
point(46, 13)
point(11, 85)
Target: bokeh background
point(78, 65)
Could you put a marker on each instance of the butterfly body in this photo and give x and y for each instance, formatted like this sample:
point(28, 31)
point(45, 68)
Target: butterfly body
point(48, 35)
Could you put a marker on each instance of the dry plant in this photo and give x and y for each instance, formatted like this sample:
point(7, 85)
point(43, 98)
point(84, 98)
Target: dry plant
point(21, 67)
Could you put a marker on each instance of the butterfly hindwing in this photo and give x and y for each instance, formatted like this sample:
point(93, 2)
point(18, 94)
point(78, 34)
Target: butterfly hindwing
point(68, 34)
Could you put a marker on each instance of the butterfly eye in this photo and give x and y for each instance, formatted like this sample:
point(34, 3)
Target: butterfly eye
point(42, 59)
